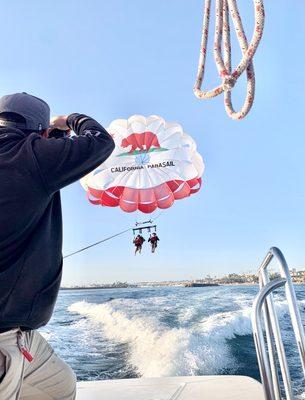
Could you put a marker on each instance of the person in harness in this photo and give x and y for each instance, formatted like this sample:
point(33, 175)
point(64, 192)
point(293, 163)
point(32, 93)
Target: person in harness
point(34, 165)
point(138, 242)
point(153, 239)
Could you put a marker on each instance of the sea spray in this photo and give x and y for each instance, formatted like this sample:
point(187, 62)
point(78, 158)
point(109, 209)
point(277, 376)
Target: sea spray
point(157, 350)
point(154, 350)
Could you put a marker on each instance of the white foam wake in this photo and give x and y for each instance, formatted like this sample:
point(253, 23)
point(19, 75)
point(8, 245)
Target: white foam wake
point(152, 347)
point(227, 325)
point(156, 350)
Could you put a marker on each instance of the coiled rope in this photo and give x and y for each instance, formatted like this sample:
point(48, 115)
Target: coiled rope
point(222, 38)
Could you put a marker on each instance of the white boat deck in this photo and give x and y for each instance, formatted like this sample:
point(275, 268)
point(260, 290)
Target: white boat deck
point(177, 388)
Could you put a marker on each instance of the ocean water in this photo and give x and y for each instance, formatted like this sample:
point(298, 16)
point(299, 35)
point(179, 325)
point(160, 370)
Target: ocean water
point(164, 331)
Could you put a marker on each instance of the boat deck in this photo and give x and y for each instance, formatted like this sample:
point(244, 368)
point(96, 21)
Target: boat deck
point(177, 388)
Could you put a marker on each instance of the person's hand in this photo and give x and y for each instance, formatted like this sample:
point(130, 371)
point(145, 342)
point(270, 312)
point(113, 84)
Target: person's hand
point(59, 122)
point(58, 127)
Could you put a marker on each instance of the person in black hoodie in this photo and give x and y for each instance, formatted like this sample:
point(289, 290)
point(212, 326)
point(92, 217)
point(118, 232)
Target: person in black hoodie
point(34, 166)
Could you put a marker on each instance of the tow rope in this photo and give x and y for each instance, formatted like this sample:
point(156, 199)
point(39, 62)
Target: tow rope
point(96, 243)
point(222, 44)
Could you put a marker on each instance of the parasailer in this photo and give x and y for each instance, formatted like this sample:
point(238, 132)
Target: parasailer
point(154, 163)
point(153, 239)
point(138, 242)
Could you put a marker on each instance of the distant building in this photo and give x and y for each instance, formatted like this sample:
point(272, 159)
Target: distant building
point(297, 276)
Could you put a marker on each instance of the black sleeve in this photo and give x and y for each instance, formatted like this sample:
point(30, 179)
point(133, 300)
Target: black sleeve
point(65, 160)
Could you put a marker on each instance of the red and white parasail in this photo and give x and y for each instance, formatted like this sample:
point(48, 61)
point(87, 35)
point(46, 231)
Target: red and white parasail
point(154, 163)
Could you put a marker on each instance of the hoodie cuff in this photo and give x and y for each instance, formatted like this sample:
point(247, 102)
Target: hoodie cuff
point(71, 120)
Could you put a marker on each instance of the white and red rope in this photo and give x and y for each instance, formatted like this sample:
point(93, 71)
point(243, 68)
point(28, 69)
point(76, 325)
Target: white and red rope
point(222, 53)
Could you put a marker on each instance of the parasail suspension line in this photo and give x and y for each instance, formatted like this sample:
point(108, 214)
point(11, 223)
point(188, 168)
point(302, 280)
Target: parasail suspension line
point(148, 228)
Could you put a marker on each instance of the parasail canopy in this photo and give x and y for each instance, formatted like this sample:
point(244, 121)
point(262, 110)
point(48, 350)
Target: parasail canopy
point(154, 163)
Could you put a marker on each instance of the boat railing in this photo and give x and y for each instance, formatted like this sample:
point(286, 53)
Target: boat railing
point(269, 347)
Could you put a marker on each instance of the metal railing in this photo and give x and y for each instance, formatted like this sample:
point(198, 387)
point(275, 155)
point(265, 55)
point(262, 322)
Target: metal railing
point(264, 316)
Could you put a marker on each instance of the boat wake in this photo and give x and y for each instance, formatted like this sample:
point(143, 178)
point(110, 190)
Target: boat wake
point(166, 332)
point(156, 350)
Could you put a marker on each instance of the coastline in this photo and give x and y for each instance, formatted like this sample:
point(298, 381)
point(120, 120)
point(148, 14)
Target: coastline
point(139, 286)
point(149, 286)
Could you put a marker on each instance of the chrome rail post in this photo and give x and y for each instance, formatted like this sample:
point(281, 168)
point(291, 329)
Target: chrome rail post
point(257, 323)
point(292, 304)
point(271, 352)
point(264, 302)
point(276, 331)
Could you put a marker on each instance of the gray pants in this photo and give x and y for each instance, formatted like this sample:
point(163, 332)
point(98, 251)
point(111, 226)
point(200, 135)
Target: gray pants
point(47, 377)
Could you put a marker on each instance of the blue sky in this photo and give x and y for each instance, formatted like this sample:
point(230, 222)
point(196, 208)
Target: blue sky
point(119, 58)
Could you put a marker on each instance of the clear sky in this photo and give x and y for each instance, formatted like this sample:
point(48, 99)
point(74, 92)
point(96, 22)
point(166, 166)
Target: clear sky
point(113, 59)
